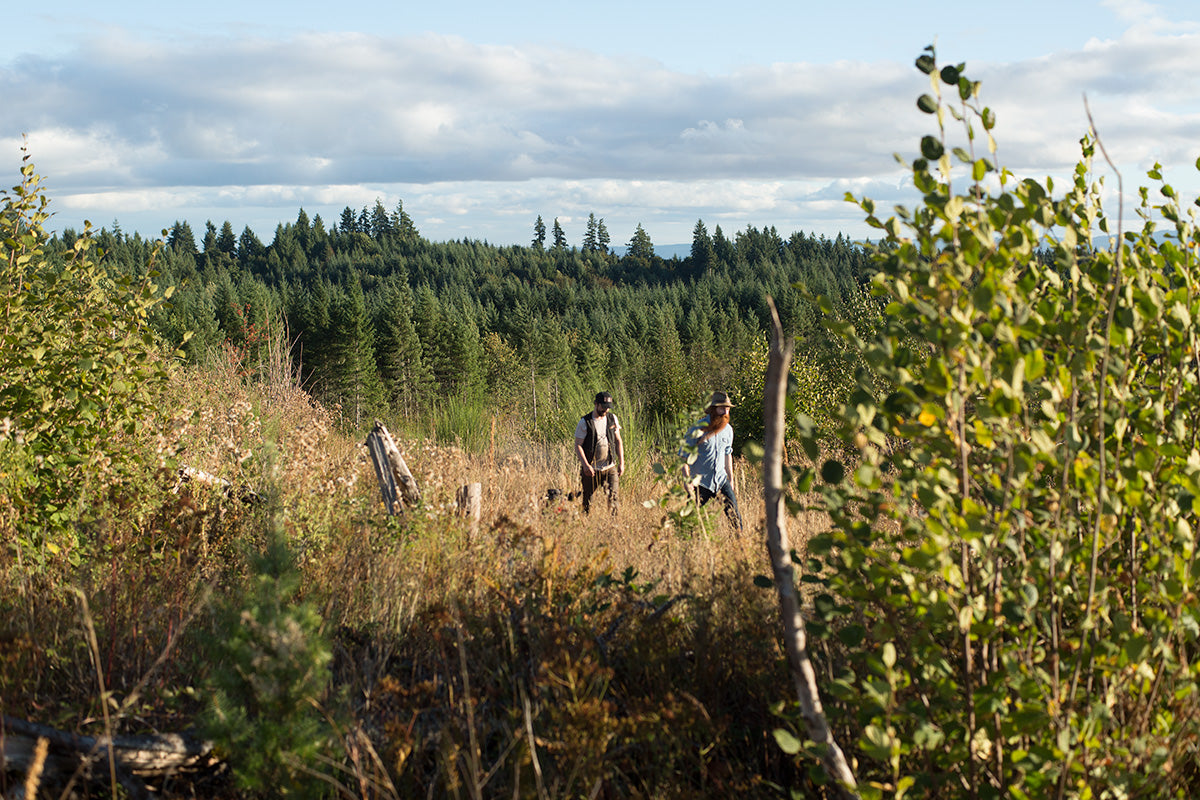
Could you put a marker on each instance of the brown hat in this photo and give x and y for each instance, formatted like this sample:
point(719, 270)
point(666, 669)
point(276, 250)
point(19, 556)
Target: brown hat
point(720, 399)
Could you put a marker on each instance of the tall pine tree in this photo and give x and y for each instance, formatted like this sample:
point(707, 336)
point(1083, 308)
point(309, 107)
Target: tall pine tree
point(406, 379)
point(352, 380)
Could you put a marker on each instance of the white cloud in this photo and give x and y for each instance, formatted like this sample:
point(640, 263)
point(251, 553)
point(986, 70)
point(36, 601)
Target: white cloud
point(475, 138)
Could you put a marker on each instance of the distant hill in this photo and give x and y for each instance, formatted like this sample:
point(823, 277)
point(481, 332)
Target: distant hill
point(667, 251)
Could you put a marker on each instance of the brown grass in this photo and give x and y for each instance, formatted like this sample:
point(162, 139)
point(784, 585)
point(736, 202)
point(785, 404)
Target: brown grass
point(559, 653)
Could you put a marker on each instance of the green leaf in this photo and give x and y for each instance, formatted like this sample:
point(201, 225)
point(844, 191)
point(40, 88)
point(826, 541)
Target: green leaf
point(927, 103)
point(832, 471)
point(852, 635)
point(763, 582)
point(787, 741)
point(931, 148)
point(927, 64)
point(950, 75)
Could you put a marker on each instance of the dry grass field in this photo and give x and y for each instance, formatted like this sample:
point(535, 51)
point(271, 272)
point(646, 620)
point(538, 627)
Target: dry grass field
point(547, 653)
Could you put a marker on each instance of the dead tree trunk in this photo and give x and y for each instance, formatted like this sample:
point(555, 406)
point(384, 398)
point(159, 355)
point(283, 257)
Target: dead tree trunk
point(395, 481)
point(794, 637)
point(469, 499)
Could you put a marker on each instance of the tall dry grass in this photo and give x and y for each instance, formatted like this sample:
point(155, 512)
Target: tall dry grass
point(547, 654)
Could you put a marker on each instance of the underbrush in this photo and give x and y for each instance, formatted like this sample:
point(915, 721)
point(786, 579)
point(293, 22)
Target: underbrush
point(541, 652)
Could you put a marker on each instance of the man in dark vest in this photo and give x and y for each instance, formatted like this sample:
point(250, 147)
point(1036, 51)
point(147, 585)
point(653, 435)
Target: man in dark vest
point(600, 451)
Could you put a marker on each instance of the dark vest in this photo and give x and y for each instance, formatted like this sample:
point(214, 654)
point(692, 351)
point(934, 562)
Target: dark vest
point(589, 440)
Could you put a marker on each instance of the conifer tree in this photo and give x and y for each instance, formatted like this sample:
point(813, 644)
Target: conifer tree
point(348, 223)
point(723, 247)
point(226, 241)
point(703, 255)
point(539, 233)
point(669, 384)
point(381, 226)
point(402, 224)
point(560, 238)
point(181, 240)
point(308, 319)
point(352, 379)
point(433, 331)
point(210, 239)
point(590, 241)
point(406, 378)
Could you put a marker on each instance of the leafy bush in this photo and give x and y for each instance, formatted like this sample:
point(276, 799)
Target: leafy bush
point(81, 373)
point(1009, 586)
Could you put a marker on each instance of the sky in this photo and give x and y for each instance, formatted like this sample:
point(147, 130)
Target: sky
point(481, 116)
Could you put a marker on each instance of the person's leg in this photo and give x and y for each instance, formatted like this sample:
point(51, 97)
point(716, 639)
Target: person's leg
point(731, 505)
point(705, 494)
point(613, 486)
point(589, 486)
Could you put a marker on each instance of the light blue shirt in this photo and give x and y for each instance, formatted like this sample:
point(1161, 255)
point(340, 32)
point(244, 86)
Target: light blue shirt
point(709, 465)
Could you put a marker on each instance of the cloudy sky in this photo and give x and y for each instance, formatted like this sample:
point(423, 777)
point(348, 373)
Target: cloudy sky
point(480, 116)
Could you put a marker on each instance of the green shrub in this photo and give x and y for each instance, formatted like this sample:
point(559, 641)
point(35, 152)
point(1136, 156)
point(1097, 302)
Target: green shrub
point(81, 369)
point(1009, 586)
point(268, 677)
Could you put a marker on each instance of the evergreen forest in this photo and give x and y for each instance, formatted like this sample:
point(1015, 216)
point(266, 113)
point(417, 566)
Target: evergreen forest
point(382, 321)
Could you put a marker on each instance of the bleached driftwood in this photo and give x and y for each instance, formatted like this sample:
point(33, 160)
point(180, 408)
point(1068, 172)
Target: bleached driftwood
point(395, 480)
point(67, 757)
point(803, 675)
point(192, 475)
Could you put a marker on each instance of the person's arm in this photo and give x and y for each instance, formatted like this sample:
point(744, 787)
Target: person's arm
point(685, 454)
point(729, 456)
point(620, 451)
point(584, 464)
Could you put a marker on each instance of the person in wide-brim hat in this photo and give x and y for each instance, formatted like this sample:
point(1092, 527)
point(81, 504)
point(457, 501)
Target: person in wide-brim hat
point(720, 400)
point(711, 469)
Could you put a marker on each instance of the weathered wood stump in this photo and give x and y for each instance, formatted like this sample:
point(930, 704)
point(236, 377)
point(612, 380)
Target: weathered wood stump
point(395, 480)
point(469, 504)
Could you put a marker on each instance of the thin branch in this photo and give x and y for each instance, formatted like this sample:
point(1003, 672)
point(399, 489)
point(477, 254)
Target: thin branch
point(803, 675)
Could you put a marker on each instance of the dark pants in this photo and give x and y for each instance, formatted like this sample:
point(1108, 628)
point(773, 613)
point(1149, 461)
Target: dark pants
point(728, 498)
point(590, 484)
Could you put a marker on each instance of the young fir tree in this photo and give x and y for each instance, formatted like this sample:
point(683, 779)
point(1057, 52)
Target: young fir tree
point(406, 378)
point(352, 378)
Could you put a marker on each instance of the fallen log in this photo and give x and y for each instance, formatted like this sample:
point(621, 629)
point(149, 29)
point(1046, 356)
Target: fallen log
point(189, 475)
point(69, 757)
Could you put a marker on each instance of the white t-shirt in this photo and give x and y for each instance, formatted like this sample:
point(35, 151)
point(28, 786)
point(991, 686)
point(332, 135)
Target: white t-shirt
point(601, 426)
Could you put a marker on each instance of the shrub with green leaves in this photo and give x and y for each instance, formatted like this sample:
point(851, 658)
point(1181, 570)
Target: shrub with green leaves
point(81, 371)
point(1008, 588)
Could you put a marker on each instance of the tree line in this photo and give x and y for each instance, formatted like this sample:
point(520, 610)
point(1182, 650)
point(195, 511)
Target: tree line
point(379, 319)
